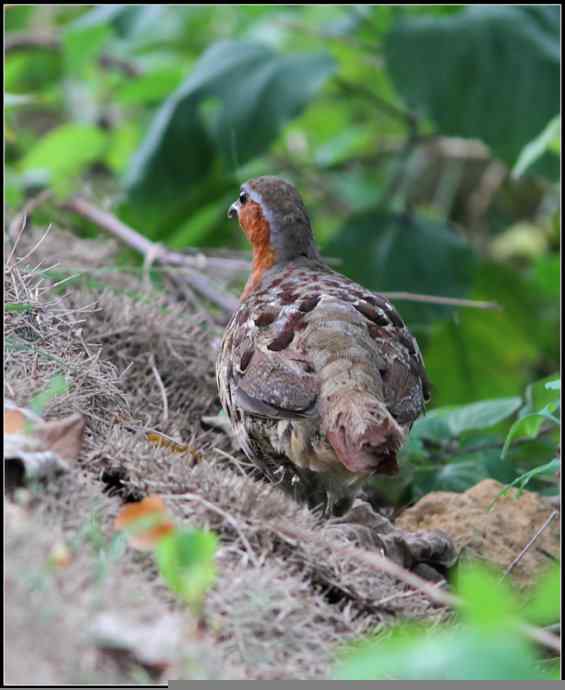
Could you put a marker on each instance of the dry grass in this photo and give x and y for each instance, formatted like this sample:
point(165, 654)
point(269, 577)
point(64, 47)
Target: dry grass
point(137, 359)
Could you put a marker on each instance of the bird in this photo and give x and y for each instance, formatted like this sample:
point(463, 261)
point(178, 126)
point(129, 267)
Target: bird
point(320, 377)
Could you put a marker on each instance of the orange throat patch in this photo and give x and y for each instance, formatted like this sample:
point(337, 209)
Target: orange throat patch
point(257, 230)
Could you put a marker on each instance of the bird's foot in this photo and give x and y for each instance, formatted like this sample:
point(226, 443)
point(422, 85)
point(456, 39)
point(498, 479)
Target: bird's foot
point(429, 554)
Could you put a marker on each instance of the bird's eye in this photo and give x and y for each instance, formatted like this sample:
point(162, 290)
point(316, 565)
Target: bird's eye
point(243, 198)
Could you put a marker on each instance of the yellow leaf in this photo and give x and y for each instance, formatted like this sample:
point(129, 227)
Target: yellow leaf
point(160, 440)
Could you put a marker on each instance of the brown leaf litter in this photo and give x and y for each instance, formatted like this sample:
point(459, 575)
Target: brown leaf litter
point(34, 448)
point(140, 366)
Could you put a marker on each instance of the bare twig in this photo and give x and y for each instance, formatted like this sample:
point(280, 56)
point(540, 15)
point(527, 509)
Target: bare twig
point(162, 388)
point(133, 239)
point(528, 546)
point(385, 565)
point(186, 496)
point(23, 41)
point(19, 222)
point(45, 41)
point(435, 299)
point(120, 65)
point(193, 263)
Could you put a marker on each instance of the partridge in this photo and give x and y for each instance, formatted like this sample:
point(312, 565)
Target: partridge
point(320, 377)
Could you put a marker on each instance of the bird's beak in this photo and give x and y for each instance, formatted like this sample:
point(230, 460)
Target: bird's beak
point(233, 210)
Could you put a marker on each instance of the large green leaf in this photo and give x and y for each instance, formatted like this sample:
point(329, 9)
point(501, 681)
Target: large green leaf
point(487, 72)
point(232, 106)
point(485, 645)
point(487, 354)
point(395, 252)
point(64, 153)
point(186, 560)
point(481, 414)
point(461, 653)
point(544, 602)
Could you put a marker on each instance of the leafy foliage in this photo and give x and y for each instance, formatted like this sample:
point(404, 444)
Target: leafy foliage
point(251, 92)
point(167, 109)
point(185, 557)
point(512, 52)
point(396, 258)
point(452, 448)
point(487, 644)
point(374, 112)
point(186, 563)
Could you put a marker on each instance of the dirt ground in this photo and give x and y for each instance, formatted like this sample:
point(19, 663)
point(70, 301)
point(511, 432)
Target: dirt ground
point(138, 358)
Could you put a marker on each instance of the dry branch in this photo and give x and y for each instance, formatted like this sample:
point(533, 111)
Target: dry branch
point(528, 546)
point(385, 565)
point(446, 301)
point(198, 281)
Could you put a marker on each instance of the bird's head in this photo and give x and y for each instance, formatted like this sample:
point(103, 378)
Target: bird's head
point(272, 216)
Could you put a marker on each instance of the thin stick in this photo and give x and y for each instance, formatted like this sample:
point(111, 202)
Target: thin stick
point(23, 41)
point(385, 565)
point(222, 513)
point(19, 222)
point(133, 239)
point(435, 299)
point(161, 388)
point(526, 548)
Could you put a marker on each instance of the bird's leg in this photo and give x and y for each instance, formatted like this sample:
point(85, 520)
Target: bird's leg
point(431, 553)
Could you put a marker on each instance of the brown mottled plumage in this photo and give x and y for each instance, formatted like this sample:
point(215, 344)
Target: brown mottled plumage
point(320, 377)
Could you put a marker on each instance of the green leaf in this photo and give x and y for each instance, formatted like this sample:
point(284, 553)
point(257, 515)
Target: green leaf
point(511, 57)
point(459, 476)
point(487, 603)
point(544, 605)
point(82, 45)
point(529, 426)
point(17, 307)
point(253, 92)
point(120, 17)
point(539, 394)
point(396, 256)
point(548, 140)
point(64, 152)
point(488, 354)
point(554, 385)
point(411, 653)
point(56, 387)
point(186, 560)
point(152, 87)
point(523, 480)
point(481, 415)
point(433, 425)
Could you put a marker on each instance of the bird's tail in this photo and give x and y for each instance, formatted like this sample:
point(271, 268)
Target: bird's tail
point(364, 435)
point(353, 414)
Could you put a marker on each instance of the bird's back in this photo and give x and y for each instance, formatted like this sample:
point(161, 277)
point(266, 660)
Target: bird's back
point(321, 380)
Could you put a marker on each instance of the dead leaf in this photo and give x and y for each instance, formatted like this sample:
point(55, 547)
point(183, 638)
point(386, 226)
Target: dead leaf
point(34, 448)
point(155, 645)
point(63, 436)
point(146, 522)
point(161, 440)
point(14, 421)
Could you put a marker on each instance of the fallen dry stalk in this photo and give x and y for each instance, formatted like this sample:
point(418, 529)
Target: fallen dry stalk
point(445, 301)
point(528, 546)
point(199, 282)
point(385, 565)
